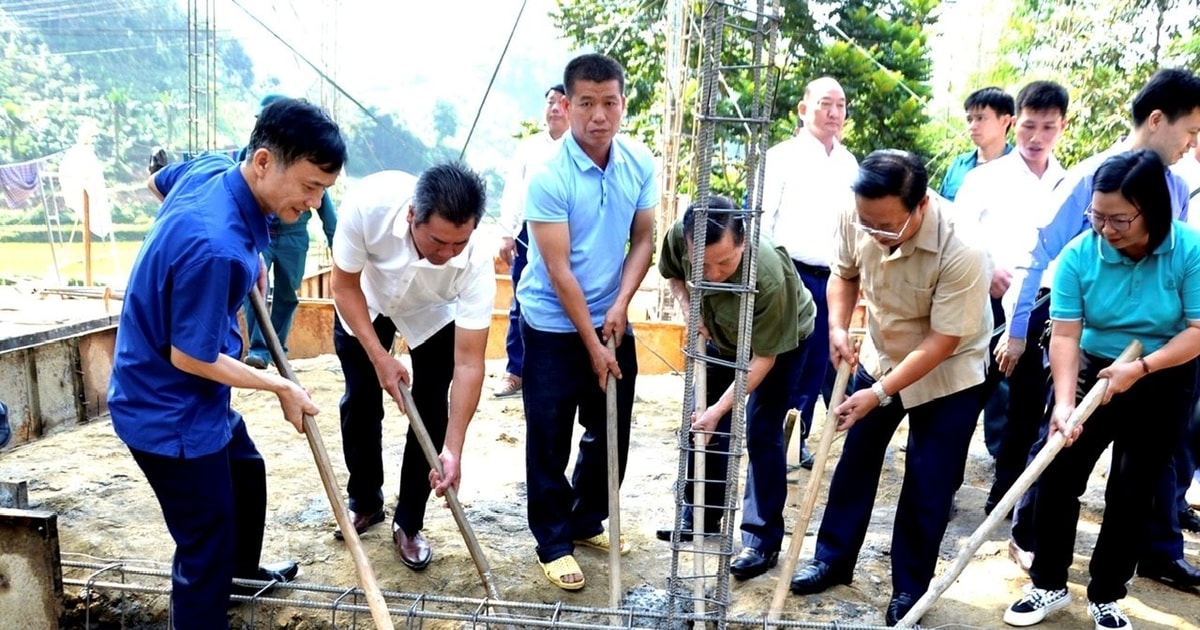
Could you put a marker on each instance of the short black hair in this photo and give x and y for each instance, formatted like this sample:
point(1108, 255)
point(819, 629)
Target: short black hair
point(990, 97)
point(1141, 178)
point(1173, 91)
point(293, 129)
point(1043, 96)
point(892, 172)
point(452, 191)
point(557, 87)
point(593, 67)
point(718, 224)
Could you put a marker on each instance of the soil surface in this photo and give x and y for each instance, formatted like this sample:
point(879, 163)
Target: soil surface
point(106, 511)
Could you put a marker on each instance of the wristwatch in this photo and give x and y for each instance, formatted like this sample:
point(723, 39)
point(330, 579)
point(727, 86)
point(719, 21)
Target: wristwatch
point(884, 399)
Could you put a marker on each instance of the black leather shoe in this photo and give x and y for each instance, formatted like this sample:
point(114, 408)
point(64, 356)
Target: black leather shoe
point(1189, 520)
point(816, 578)
point(685, 534)
point(362, 522)
point(414, 550)
point(752, 563)
point(807, 459)
point(898, 607)
point(1176, 573)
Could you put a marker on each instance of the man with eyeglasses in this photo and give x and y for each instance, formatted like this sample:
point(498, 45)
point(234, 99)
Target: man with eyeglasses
point(924, 357)
point(1166, 119)
point(806, 186)
point(989, 115)
point(1002, 199)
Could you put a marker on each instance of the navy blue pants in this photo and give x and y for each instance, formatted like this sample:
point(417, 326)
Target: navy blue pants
point(938, 438)
point(512, 342)
point(1141, 455)
point(215, 507)
point(559, 383)
point(361, 410)
point(285, 258)
point(812, 378)
point(766, 471)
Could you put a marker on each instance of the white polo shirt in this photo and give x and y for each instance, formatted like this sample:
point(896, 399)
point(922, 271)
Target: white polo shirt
point(1005, 203)
point(805, 192)
point(373, 237)
point(531, 153)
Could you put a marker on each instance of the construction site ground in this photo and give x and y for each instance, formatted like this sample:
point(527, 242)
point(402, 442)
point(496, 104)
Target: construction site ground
point(106, 511)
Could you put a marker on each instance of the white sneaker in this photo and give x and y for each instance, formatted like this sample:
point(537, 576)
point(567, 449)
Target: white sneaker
point(1108, 616)
point(1192, 496)
point(1033, 607)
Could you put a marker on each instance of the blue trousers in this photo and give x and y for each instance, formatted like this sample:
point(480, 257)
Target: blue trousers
point(215, 507)
point(285, 258)
point(939, 436)
point(1140, 461)
point(766, 471)
point(558, 384)
point(512, 342)
point(812, 378)
point(361, 410)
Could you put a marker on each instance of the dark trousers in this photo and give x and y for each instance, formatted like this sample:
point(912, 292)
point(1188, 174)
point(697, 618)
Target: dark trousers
point(1028, 392)
point(215, 507)
point(939, 436)
point(558, 384)
point(361, 411)
point(811, 380)
point(512, 342)
point(1142, 447)
point(766, 472)
point(285, 258)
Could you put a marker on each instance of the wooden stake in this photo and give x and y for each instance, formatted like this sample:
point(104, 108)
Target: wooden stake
point(1034, 470)
point(614, 489)
point(699, 469)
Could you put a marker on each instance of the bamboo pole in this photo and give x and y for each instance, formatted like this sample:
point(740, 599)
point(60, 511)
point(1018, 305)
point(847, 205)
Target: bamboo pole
point(614, 489)
point(1053, 445)
point(379, 610)
point(699, 470)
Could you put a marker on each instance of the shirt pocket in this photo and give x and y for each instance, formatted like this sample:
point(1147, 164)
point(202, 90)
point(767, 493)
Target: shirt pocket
point(912, 301)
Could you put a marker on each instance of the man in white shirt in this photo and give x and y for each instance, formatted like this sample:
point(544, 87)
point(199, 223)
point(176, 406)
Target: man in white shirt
point(531, 152)
point(404, 260)
point(1004, 200)
point(806, 187)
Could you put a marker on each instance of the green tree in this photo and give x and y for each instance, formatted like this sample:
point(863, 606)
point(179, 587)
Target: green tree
point(445, 120)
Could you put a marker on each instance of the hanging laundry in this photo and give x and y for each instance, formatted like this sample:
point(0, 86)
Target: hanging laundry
point(20, 181)
point(82, 172)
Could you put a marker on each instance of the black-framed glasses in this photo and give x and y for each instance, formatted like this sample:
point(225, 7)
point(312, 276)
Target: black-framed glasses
point(1119, 224)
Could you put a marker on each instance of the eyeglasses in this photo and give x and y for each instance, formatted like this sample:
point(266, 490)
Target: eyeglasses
point(1119, 224)
point(883, 234)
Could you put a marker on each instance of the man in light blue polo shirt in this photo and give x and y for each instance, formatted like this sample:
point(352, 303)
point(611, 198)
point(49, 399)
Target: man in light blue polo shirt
point(178, 344)
point(585, 205)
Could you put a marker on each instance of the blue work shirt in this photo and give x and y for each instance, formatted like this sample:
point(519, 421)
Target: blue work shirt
point(1071, 199)
point(198, 262)
point(958, 170)
point(1120, 299)
point(598, 207)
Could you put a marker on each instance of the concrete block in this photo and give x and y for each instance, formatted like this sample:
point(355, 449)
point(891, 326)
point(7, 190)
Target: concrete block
point(30, 569)
point(14, 494)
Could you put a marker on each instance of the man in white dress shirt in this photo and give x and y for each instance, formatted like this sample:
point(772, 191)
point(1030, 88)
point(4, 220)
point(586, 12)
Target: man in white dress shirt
point(404, 259)
point(806, 188)
point(514, 244)
point(1005, 200)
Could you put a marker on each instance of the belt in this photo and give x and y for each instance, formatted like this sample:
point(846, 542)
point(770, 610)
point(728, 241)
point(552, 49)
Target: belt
point(812, 270)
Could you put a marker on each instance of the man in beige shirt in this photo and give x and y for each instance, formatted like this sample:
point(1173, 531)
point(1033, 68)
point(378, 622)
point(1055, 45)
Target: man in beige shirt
point(925, 355)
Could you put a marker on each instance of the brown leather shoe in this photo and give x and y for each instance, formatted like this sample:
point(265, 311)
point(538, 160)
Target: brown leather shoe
point(362, 522)
point(414, 550)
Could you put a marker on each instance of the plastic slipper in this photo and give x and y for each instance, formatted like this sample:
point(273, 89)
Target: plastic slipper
point(600, 541)
point(559, 568)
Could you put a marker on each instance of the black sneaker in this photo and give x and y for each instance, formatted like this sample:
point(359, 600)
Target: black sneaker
point(1035, 605)
point(1108, 615)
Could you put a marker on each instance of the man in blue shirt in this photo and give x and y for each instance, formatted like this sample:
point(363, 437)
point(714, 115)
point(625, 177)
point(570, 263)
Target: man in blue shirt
point(593, 198)
point(1166, 119)
point(178, 344)
point(989, 115)
point(285, 258)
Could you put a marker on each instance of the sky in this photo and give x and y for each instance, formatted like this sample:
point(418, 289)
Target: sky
point(402, 57)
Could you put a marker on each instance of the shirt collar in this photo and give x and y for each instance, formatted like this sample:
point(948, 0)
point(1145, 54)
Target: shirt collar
point(928, 236)
point(581, 159)
point(248, 207)
point(1111, 255)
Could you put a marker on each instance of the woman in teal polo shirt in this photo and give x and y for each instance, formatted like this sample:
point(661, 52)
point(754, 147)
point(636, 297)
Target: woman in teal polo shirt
point(1135, 275)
